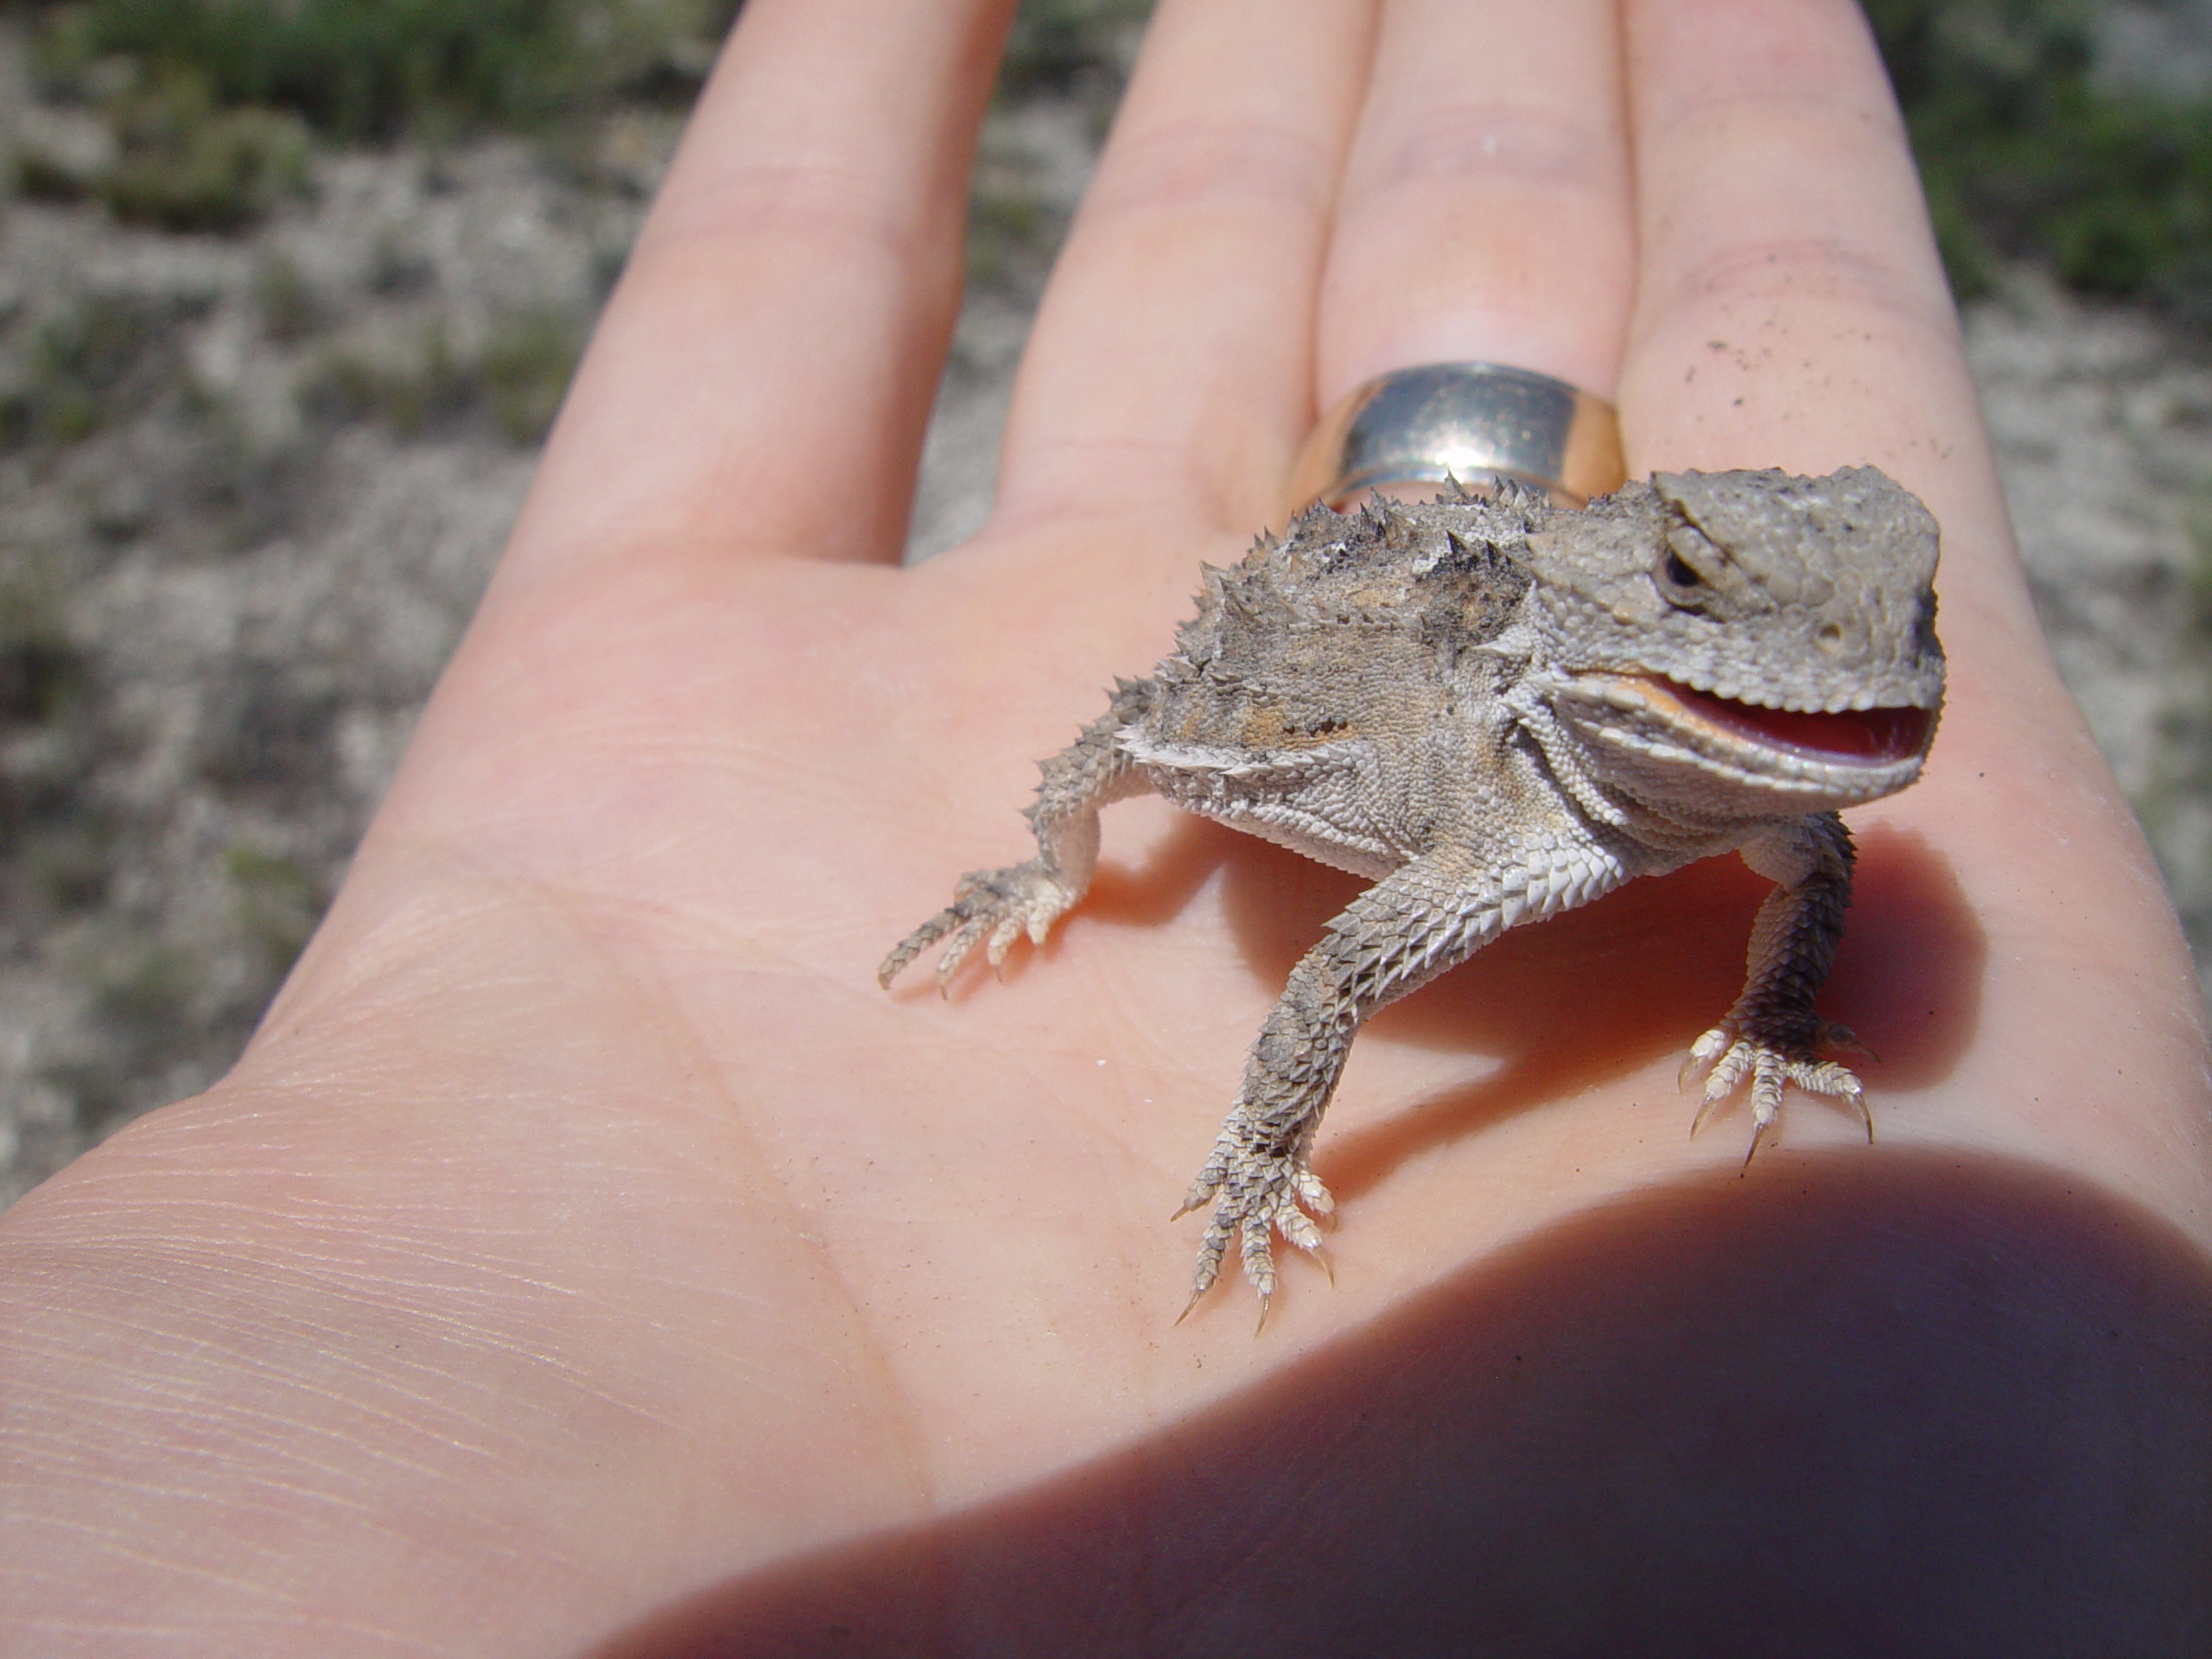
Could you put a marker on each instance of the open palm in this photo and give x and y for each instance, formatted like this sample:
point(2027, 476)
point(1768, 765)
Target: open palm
point(585, 1245)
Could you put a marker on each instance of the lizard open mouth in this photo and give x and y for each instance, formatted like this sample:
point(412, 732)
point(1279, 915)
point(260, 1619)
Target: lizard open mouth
point(1882, 735)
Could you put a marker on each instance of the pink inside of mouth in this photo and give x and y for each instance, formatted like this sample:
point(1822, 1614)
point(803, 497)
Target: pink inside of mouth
point(1883, 734)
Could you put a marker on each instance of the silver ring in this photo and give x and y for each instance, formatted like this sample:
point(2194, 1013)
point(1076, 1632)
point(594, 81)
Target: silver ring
point(1476, 423)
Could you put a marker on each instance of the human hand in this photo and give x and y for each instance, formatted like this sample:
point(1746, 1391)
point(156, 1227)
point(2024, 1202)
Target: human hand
point(586, 1245)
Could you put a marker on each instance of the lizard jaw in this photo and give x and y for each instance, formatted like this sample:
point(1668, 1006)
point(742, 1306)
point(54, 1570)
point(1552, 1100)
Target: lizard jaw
point(1645, 729)
point(1881, 736)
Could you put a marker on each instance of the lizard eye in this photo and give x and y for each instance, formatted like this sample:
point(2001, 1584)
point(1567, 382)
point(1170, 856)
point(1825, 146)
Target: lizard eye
point(1681, 582)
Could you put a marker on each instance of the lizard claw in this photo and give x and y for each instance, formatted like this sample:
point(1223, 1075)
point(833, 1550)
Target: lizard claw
point(1772, 1062)
point(992, 908)
point(1702, 1054)
point(1255, 1195)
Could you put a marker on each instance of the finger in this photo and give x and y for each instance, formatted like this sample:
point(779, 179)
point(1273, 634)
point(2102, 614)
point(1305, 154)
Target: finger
point(763, 374)
point(1170, 361)
point(1791, 309)
point(1485, 210)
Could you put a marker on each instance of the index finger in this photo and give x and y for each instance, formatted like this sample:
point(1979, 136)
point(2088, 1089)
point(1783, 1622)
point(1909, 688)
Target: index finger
point(763, 374)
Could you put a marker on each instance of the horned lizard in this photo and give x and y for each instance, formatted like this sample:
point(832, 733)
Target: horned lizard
point(1498, 709)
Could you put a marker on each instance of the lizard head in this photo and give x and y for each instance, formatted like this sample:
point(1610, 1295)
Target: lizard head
point(1745, 642)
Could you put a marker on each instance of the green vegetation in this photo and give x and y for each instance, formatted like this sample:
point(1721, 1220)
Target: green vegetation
point(290, 309)
point(181, 163)
point(87, 362)
point(104, 359)
point(524, 370)
point(143, 1005)
point(369, 69)
point(212, 102)
point(520, 376)
point(410, 397)
point(185, 165)
point(2025, 152)
point(67, 850)
point(1009, 230)
point(56, 840)
point(147, 995)
point(278, 904)
point(1068, 45)
point(2197, 519)
point(42, 670)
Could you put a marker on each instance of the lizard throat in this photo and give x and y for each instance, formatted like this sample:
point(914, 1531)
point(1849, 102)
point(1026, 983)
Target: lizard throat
point(1881, 736)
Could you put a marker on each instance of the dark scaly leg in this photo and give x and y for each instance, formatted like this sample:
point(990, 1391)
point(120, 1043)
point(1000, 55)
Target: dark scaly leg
point(1771, 1033)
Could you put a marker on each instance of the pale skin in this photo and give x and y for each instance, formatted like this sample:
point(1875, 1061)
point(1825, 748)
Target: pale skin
point(584, 1232)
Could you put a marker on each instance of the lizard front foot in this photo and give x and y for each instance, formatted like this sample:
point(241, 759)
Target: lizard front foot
point(1772, 1058)
point(997, 905)
point(1261, 1194)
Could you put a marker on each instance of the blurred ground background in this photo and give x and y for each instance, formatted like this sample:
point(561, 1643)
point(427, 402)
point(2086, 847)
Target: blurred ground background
point(289, 290)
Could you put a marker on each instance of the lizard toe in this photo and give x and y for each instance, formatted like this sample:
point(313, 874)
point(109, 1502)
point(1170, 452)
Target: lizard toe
point(1772, 1068)
point(992, 908)
point(1256, 1195)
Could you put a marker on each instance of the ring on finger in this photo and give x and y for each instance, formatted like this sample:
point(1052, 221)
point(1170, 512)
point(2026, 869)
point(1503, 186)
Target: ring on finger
point(1475, 423)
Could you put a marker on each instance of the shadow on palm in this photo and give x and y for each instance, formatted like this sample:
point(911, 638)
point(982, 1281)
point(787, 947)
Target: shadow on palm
point(1667, 1388)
